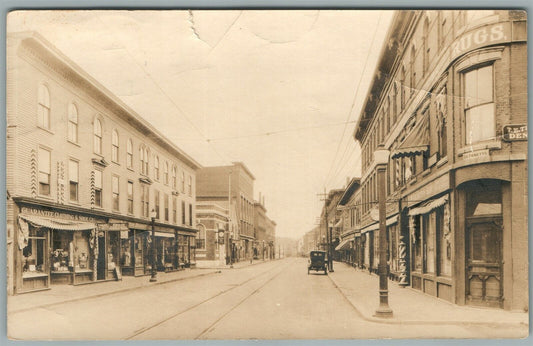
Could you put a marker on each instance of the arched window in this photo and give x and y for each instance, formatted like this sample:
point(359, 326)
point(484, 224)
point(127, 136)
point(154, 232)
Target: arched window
point(129, 154)
point(143, 156)
point(114, 146)
point(200, 240)
point(146, 160)
point(97, 131)
point(174, 178)
point(43, 109)
point(402, 87)
point(72, 123)
point(165, 173)
point(182, 181)
point(156, 168)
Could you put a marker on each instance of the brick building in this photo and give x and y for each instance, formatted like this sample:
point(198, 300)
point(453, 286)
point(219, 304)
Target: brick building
point(213, 221)
point(233, 183)
point(84, 173)
point(448, 100)
point(264, 231)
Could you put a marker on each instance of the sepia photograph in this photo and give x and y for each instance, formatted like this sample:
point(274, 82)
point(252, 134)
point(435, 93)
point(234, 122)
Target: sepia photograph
point(246, 174)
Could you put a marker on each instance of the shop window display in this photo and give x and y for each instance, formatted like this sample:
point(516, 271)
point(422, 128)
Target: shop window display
point(34, 261)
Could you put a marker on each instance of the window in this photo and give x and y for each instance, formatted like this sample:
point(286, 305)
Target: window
point(442, 124)
point(35, 252)
point(444, 252)
point(156, 168)
point(44, 172)
point(190, 185)
point(115, 191)
point(130, 197)
point(167, 202)
point(429, 225)
point(72, 123)
point(98, 188)
point(479, 105)
point(97, 131)
point(73, 177)
point(412, 81)
point(402, 88)
point(43, 108)
point(190, 214)
point(425, 52)
point(183, 213)
point(114, 146)
point(200, 241)
point(143, 155)
point(165, 173)
point(156, 201)
point(129, 153)
point(175, 210)
point(174, 178)
point(145, 198)
point(183, 182)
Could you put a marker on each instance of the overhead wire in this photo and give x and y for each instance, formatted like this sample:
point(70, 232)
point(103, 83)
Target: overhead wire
point(354, 100)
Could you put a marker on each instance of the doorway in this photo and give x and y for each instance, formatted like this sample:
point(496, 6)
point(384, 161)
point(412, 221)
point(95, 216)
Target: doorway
point(100, 265)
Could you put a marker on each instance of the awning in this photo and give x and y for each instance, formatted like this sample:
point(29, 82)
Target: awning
point(416, 141)
point(57, 224)
point(375, 226)
point(343, 245)
point(428, 206)
point(164, 235)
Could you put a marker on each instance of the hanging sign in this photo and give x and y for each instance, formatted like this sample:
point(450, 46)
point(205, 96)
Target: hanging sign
point(512, 133)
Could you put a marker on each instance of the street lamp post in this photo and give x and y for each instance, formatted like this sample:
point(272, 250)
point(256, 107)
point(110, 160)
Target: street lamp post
point(381, 157)
point(153, 278)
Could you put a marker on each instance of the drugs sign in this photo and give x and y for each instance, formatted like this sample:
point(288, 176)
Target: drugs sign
point(513, 133)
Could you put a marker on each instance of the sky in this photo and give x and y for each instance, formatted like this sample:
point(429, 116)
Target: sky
point(280, 91)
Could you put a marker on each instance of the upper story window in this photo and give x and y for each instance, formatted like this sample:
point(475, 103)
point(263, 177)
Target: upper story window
point(129, 153)
point(143, 156)
point(72, 123)
point(114, 146)
point(183, 182)
point(73, 177)
point(412, 80)
point(98, 188)
point(130, 197)
point(97, 132)
point(116, 192)
point(145, 199)
point(156, 168)
point(425, 47)
point(43, 109)
point(479, 105)
point(174, 178)
point(190, 185)
point(44, 171)
point(156, 203)
point(165, 173)
point(402, 88)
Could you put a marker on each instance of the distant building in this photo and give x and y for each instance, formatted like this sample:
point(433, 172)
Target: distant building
point(350, 246)
point(221, 184)
point(448, 100)
point(213, 223)
point(265, 232)
point(84, 174)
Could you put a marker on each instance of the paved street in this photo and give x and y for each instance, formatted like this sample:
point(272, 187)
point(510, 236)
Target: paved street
point(272, 300)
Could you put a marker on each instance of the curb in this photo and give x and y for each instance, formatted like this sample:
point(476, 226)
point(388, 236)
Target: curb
point(123, 290)
point(423, 322)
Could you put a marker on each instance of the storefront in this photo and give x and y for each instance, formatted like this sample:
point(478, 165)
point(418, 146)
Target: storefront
point(431, 247)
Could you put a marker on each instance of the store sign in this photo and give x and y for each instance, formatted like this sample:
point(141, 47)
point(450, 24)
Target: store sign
point(56, 214)
point(483, 36)
point(513, 133)
point(478, 154)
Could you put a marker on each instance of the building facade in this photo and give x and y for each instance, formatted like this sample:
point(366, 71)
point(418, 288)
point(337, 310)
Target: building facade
point(348, 248)
point(85, 176)
point(448, 101)
point(264, 232)
point(231, 187)
point(213, 221)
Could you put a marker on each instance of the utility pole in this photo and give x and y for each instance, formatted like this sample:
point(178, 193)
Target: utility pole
point(328, 231)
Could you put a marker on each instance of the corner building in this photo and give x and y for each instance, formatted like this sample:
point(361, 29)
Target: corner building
point(85, 176)
point(449, 100)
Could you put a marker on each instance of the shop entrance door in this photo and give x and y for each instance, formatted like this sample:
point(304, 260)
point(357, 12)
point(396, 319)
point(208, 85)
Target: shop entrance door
point(484, 285)
point(100, 265)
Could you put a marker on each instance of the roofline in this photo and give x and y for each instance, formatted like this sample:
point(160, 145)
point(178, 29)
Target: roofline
point(349, 190)
point(32, 37)
point(391, 45)
point(240, 163)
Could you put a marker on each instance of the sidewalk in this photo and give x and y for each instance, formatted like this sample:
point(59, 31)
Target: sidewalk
point(411, 306)
point(68, 293)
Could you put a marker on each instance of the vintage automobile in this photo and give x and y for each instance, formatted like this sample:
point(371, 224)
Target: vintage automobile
point(317, 262)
